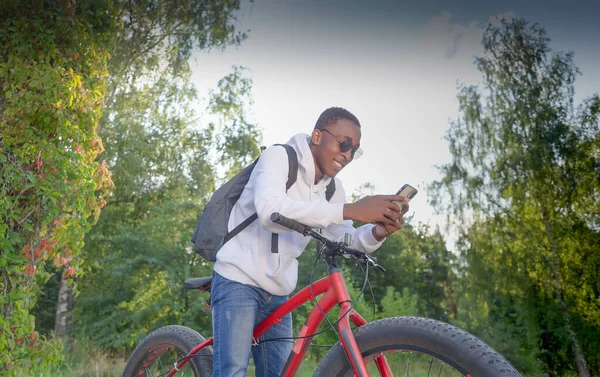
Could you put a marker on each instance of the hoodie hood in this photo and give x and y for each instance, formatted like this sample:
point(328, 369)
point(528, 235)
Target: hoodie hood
point(306, 160)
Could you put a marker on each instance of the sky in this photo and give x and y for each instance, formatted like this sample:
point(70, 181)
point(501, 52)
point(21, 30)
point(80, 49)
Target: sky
point(395, 64)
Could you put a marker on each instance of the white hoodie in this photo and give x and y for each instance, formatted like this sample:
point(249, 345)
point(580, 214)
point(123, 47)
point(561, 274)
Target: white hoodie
point(247, 257)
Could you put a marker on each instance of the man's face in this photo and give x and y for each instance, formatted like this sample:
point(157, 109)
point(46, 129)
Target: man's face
point(335, 146)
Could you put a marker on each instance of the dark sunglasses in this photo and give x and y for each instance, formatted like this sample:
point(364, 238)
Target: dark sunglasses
point(346, 145)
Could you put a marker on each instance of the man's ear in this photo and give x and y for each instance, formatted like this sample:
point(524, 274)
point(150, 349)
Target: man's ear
point(315, 137)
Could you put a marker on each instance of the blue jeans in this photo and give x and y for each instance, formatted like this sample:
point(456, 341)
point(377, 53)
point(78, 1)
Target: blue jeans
point(236, 309)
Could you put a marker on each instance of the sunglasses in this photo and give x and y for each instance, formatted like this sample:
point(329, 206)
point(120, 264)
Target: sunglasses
point(346, 145)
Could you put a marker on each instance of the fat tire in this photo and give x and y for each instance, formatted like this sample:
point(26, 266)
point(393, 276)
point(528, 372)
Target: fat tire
point(180, 337)
point(450, 344)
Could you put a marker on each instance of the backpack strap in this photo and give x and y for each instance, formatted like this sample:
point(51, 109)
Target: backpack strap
point(293, 165)
point(330, 189)
point(240, 227)
point(292, 177)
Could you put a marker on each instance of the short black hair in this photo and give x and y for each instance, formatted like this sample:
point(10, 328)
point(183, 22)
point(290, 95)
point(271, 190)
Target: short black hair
point(332, 115)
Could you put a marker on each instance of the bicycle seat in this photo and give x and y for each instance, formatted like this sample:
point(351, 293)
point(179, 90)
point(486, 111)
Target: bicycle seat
point(202, 284)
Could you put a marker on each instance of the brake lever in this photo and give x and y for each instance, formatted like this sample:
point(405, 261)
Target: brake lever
point(364, 258)
point(373, 262)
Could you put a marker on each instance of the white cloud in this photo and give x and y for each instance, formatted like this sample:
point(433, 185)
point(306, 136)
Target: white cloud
point(442, 38)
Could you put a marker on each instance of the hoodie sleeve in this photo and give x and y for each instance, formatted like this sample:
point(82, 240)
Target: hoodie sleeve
point(362, 237)
point(270, 176)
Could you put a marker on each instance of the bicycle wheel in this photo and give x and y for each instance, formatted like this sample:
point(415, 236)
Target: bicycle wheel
point(416, 346)
point(160, 350)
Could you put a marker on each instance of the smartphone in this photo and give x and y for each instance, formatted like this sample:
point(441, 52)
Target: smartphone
point(408, 192)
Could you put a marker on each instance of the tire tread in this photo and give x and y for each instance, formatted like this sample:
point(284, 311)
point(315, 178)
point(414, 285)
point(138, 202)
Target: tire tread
point(442, 338)
point(181, 337)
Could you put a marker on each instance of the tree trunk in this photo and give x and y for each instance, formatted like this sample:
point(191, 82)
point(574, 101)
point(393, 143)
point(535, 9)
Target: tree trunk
point(580, 360)
point(62, 326)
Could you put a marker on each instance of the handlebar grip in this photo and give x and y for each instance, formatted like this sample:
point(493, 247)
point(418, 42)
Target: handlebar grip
point(278, 218)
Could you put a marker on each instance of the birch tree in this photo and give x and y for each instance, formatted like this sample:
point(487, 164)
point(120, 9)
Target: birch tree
point(523, 182)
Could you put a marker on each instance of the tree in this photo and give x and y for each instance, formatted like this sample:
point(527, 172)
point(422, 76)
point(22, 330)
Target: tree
point(58, 61)
point(522, 179)
point(417, 263)
point(53, 67)
point(395, 303)
point(139, 253)
point(166, 157)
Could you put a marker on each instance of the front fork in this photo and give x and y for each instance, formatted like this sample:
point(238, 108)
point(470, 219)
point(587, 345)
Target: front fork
point(350, 346)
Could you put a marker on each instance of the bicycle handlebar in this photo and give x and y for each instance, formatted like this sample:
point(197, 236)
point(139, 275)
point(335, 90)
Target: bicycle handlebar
point(278, 218)
point(305, 230)
point(339, 248)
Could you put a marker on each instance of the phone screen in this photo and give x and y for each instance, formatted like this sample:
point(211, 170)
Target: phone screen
point(407, 191)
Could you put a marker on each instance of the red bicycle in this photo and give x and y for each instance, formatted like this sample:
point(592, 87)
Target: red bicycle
point(396, 346)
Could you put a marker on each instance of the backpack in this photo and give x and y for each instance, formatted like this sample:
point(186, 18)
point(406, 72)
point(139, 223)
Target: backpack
point(212, 230)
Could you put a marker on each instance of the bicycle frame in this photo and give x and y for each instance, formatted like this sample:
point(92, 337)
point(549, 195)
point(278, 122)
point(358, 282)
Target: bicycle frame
point(334, 290)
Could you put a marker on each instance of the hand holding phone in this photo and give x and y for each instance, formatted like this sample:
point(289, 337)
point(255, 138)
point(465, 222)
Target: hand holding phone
point(380, 231)
point(408, 192)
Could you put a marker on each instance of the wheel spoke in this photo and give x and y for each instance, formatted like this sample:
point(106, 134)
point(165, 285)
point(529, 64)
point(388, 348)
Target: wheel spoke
point(159, 361)
point(157, 354)
point(155, 367)
point(411, 363)
point(430, 365)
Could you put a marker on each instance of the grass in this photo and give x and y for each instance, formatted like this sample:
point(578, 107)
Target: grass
point(83, 360)
point(307, 368)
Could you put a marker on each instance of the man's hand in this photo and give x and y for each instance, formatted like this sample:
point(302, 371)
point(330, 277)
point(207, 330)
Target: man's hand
point(381, 230)
point(376, 209)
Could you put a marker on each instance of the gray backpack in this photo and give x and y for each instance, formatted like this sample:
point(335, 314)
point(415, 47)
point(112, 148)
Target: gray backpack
point(211, 232)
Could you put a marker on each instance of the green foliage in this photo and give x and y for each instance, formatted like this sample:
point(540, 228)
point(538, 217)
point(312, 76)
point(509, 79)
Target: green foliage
point(495, 304)
point(419, 262)
point(163, 155)
point(56, 75)
point(157, 38)
point(139, 253)
point(53, 68)
point(396, 303)
point(521, 184)
point(236, 139)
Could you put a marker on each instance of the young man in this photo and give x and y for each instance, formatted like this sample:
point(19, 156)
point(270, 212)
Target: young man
point(252, 277)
